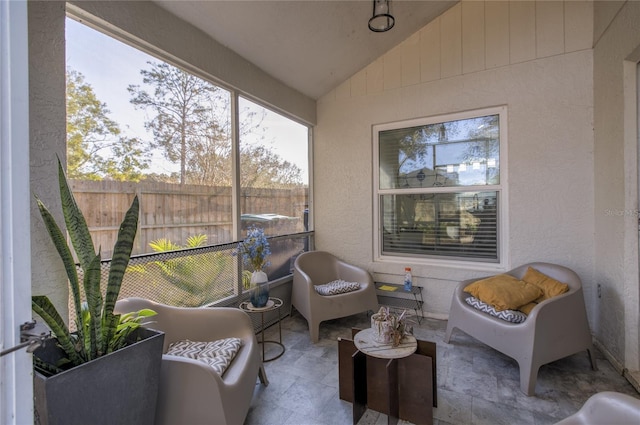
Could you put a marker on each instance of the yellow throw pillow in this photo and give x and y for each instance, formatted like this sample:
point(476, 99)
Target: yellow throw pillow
point(548, 285)
point(503, 291)
point(526, 309)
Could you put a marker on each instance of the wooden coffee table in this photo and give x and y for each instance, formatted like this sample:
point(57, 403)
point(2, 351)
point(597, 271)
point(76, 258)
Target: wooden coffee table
point(399, 382)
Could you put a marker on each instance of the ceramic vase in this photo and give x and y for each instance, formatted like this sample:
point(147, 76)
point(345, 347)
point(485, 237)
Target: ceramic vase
point(382, 329)
point(259, 290)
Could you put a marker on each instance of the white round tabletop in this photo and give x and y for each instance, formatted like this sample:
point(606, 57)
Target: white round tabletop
point(272, 304)
point(365, 343)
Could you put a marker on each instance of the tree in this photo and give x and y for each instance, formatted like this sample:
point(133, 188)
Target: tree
point(262, 168)
point(209, 160)
point(191, 123)
point(96, 149)
point(179, 101)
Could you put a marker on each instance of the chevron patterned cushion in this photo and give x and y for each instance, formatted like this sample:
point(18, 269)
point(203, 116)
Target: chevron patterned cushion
point(217, 354)
point(338, 286)
point(512, 316)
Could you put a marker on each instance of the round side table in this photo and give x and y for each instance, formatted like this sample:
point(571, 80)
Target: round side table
point(367, 346)
point(364, 342)
point(272, 304)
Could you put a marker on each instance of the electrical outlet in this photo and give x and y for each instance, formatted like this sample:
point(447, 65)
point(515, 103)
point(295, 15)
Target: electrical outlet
point(599, 291)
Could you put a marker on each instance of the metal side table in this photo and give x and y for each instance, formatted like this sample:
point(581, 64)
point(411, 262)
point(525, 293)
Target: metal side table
point(272, 304)
point(394, 295)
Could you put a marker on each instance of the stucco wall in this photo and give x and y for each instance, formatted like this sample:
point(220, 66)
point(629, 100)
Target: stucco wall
point(616, 53)
point(47, 131)
point(533, 57)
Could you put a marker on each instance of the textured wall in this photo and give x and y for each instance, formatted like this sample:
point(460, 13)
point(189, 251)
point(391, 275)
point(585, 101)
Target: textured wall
point(534, 57)
point(47, 128)
point(616, 53)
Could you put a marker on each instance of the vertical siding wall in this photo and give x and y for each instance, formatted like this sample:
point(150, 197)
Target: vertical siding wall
point(535, 57)
point(474, 36)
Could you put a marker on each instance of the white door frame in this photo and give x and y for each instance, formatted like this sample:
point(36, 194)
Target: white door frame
point(631, 76)
point(632, 301)
point(631, 285)
point(16, 383)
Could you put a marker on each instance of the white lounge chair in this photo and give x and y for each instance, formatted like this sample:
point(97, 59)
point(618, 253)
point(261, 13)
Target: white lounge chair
point(555, 328)
point(318, 268)
point(191, 392)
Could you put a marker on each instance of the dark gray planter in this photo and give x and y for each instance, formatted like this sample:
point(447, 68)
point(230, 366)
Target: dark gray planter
point(119, 388)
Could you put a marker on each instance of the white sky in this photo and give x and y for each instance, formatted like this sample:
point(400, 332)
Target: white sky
point(109, 66)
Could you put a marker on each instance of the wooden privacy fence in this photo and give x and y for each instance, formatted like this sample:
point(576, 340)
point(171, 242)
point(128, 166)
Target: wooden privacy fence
point(176, 212)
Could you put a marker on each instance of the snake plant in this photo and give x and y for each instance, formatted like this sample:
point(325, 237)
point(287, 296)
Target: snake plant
point(99, 330)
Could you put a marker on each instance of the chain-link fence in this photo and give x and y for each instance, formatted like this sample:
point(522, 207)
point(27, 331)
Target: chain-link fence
point(187, 278)
point(202, 276)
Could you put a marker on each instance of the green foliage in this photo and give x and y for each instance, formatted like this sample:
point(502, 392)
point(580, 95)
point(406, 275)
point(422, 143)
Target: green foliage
point(163, 245)
point(129, 322)
point(195, 277)
point(96, 149)
point(261, 167)
point(246, 279)
point(99, 330)
point(178, 271)
point(196, 240)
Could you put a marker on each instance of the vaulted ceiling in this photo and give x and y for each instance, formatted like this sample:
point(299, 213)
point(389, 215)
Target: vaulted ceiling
point(311, 46)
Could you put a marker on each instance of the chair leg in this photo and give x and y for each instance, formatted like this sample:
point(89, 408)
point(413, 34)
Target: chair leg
point(262, 374)
point(592, 358)
point(314, 332)
point(528, 378)
point(447, 336)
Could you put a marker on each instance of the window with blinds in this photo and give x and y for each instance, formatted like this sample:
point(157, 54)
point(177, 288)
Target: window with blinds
point(438, 186)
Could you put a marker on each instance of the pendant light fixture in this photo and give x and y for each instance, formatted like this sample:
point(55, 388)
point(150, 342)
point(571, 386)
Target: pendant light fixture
point(381, 20)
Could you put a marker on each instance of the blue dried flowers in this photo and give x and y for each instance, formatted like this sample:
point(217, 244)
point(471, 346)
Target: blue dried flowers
point(254, 249)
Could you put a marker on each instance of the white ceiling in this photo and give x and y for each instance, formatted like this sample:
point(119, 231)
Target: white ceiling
point(311, 46)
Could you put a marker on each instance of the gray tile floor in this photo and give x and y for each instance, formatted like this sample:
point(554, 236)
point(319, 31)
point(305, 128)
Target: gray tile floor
point(476, 384)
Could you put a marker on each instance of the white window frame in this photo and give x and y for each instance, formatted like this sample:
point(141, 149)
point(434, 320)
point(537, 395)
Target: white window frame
point(502, 189)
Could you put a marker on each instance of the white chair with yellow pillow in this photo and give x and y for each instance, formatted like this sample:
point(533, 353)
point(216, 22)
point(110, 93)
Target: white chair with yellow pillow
point(493, 309)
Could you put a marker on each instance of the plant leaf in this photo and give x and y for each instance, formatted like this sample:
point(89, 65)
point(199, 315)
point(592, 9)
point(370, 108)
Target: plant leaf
point(42, 306)
point(196, 241)
point(136, 316)
point(92, 279)
point(60, 242)
point(86, 326)
point(127, 323)
point(163, 245)
point(119, 262)
point(110, 327)
point(76, 223)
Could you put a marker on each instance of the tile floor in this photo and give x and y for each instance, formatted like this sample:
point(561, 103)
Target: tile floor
point(476, 384)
